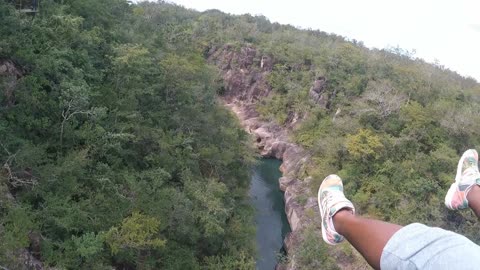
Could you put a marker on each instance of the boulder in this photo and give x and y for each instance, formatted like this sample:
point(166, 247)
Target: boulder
point(266, 64)
point(317, 92)
point(284, 182)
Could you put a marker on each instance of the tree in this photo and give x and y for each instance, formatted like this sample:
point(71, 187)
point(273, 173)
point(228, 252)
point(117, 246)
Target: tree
point(384, 97)
point(137, 232)
point(364, 145)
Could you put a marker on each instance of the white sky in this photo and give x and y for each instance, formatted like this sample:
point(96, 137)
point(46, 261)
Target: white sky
point(446, 30)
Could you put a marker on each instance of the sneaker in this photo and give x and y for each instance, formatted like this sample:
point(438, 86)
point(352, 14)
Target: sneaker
point(331, 200)
point(467, 176)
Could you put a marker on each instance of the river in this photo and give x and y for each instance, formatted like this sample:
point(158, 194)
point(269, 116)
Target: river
point(271, 221)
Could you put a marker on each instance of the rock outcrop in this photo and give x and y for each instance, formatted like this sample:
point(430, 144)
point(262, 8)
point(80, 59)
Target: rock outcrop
point(244, 73)
point(317, 92)
point(9, 75)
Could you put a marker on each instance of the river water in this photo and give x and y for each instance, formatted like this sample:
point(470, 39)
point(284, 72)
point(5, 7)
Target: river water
point(271, 221)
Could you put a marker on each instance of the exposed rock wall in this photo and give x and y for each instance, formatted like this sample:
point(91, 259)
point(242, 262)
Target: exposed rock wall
point(317, 92)
point(9, 75)
point(244, 72)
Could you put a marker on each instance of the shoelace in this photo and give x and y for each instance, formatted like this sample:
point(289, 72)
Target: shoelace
point(330, 197)
point(471, 163)
point(471, 171)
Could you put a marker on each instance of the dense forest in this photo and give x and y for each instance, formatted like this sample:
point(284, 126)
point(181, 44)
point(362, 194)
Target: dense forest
point(116, 151)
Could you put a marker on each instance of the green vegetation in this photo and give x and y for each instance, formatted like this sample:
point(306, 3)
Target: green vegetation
point(113, 147)
point(393, 126)
point(313, 253)
point(401, 124)
point(116, 153)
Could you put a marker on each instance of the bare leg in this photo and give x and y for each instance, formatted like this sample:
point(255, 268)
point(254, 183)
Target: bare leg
point(473, 198)
point(368, 236)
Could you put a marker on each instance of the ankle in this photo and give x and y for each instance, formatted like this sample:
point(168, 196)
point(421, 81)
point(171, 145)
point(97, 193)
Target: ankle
point(340, 218)
point(473, 198)
point(473, 193)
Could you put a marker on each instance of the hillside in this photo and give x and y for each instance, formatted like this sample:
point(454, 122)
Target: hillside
point(391, 125)
point(114, 150)
point(117, 149)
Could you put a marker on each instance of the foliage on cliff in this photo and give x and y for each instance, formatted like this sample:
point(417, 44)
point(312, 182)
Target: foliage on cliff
point(390, 124)
point(114, 151)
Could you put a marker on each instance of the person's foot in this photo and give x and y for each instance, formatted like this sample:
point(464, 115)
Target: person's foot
point(467, 176)
point(331, 200)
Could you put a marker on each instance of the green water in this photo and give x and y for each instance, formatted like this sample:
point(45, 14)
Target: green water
point(271, 221)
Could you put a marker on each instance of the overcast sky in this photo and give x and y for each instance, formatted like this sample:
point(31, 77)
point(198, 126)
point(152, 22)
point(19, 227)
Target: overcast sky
point(443, 30)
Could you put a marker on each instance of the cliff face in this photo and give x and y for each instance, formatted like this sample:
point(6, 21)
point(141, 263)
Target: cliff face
point(244, 73)
point(9, 75)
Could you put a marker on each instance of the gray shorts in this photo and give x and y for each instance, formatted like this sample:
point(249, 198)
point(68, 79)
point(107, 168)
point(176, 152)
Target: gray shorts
point(417, 246)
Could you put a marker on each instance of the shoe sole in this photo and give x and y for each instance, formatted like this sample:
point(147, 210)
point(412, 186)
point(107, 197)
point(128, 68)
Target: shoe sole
point(449, 197)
